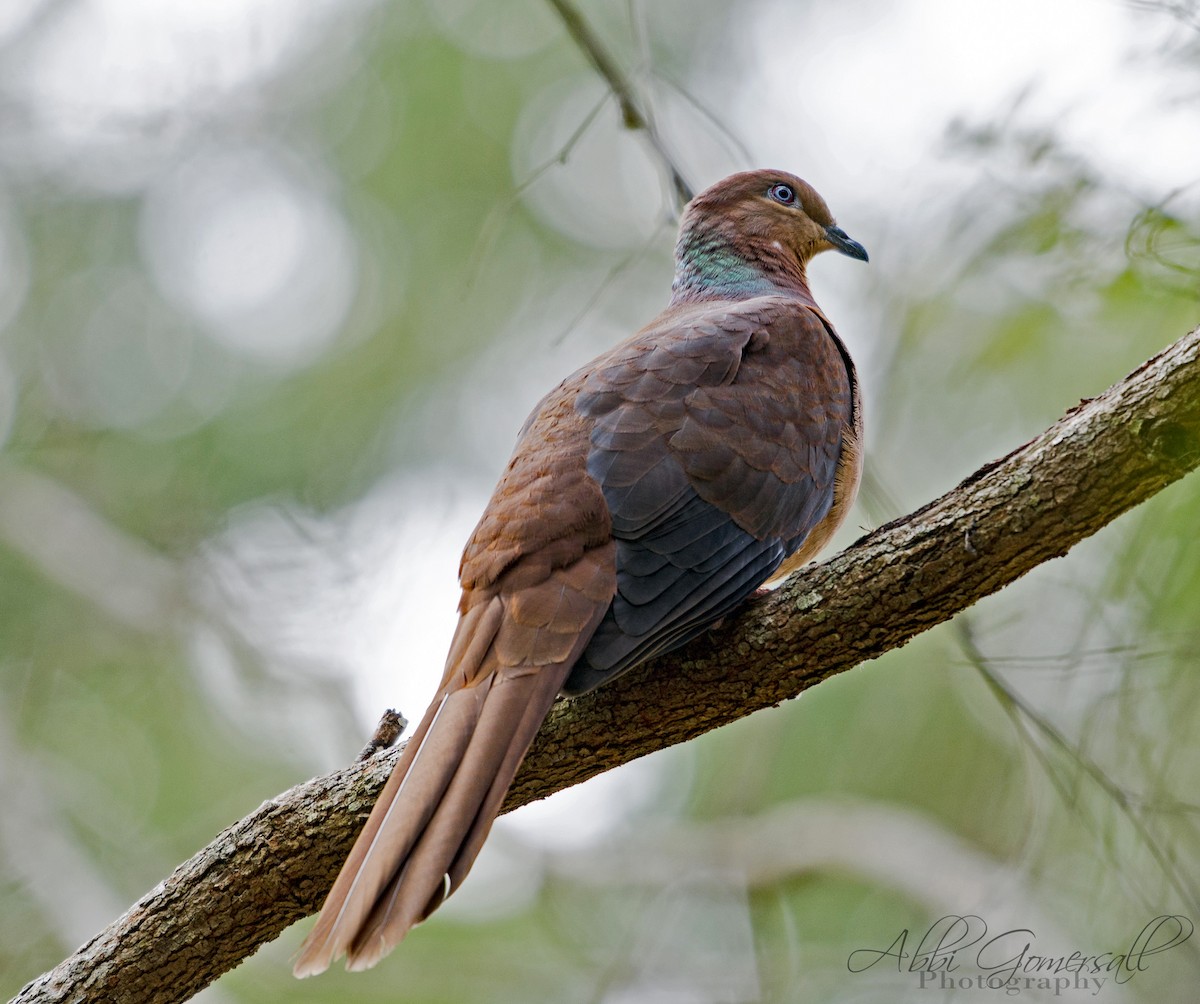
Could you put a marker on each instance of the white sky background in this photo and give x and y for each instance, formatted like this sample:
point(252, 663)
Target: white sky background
point(890, 76)
point(854, 95)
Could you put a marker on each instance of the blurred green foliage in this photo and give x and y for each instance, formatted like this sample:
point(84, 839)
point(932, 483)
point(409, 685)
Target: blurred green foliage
point(156, 400)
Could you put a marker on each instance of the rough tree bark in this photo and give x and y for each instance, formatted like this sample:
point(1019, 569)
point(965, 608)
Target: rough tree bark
point(274, 867)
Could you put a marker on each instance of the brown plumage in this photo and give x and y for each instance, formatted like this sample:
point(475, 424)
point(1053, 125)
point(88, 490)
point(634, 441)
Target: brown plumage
point(649, 494)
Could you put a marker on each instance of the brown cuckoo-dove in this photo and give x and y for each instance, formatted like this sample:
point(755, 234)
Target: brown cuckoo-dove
point(649, 494)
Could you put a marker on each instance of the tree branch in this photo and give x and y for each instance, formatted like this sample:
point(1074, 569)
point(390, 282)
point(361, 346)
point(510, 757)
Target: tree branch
point(631, 111)
point(275, 866)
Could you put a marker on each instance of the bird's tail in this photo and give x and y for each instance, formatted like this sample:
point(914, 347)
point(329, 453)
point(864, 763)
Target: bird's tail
point(508, 660)
point(432, 816)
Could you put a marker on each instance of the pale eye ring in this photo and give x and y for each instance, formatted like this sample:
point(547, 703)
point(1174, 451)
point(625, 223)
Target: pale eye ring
point(783, 194)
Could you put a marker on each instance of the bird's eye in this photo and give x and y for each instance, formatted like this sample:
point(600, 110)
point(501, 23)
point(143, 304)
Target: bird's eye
point(784, 194)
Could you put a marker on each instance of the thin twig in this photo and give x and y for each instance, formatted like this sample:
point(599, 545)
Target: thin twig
point(490, 231)
point(1025, 715)
point(610, 277)
point(622, 88)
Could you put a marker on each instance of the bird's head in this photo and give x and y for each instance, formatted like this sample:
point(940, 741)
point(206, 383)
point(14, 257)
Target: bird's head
point(770, 210)
point(753, 235)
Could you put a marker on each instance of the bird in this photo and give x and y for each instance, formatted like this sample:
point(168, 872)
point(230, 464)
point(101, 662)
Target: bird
point(649, 494)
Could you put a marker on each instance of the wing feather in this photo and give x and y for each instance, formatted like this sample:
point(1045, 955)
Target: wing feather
point(716, 442)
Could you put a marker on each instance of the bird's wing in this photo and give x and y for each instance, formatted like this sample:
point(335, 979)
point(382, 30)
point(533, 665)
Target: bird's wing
point(717, 437)
point(537, 577)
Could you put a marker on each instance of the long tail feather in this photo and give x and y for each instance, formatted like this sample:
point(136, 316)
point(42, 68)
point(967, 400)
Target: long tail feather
point(408, 800)
point(451, 840)
point(507, 663)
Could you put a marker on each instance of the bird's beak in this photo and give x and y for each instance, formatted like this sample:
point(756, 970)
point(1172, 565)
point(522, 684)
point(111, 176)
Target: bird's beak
point(837, 237)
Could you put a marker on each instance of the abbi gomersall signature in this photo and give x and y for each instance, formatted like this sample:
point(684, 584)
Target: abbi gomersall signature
point(959, 953)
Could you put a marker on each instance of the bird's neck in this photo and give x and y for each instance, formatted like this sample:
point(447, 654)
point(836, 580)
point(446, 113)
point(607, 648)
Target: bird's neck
point(710, 265)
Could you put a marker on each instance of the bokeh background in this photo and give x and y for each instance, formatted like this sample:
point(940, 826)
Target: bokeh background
point(279, 282)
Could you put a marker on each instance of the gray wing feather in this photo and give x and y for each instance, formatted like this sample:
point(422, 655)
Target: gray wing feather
point(715, 460)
